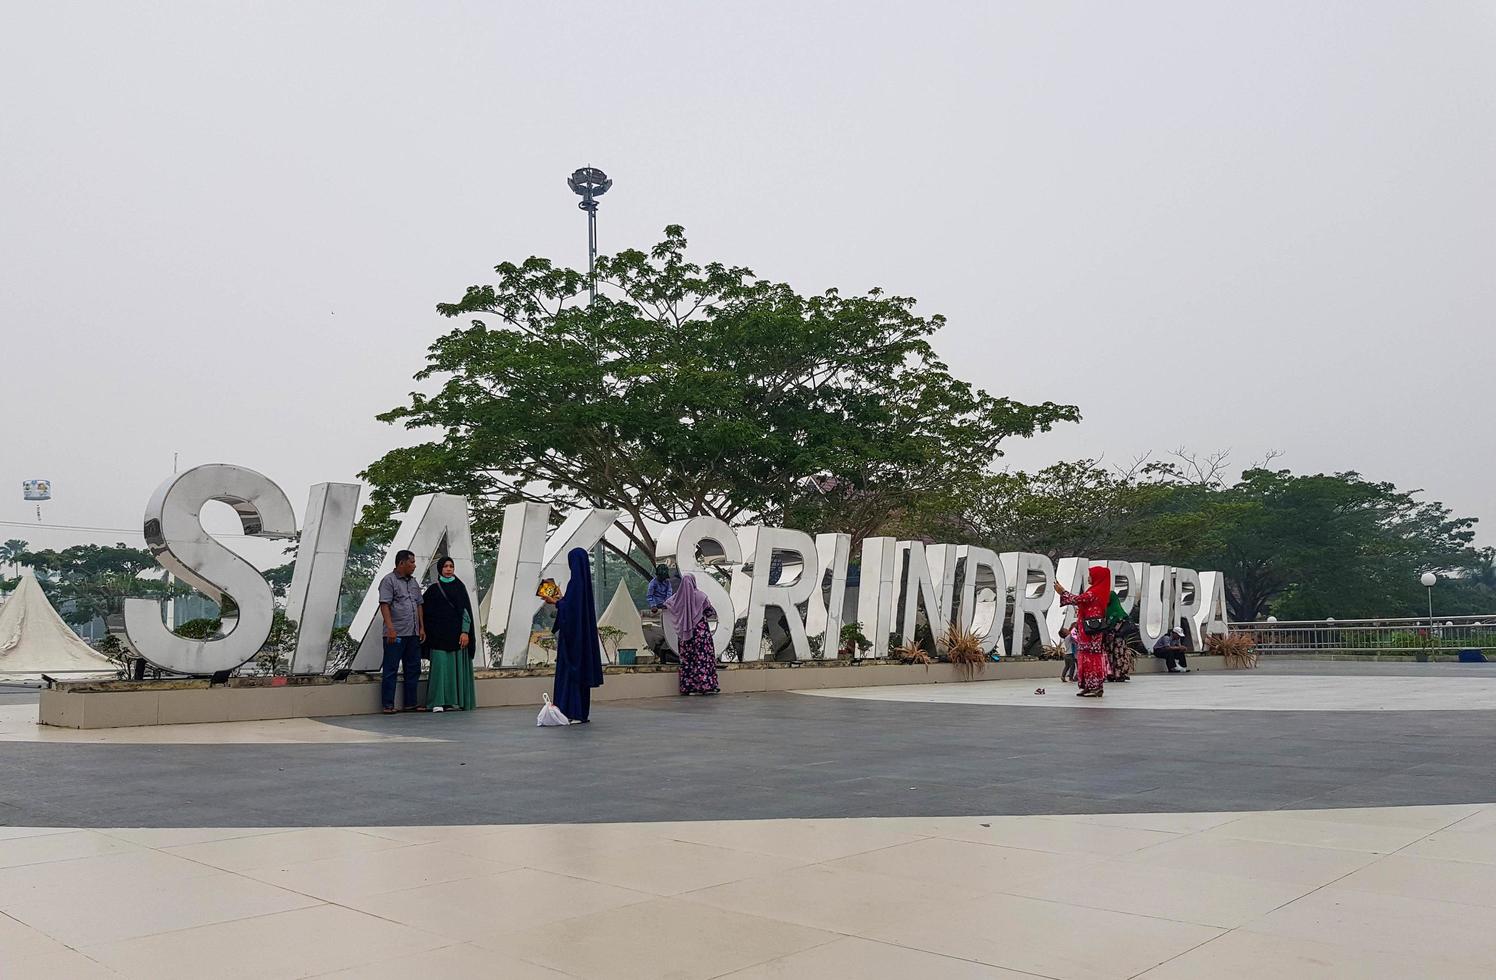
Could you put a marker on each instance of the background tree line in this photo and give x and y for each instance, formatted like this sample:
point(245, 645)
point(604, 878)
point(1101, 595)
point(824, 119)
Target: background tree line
point(702, 389)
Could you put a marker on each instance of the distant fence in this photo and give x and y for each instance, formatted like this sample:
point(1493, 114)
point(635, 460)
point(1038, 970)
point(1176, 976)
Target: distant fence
point(1447, 635)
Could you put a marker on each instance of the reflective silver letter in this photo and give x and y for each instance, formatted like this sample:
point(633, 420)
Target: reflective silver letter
point(175, 535)
point(312, 599)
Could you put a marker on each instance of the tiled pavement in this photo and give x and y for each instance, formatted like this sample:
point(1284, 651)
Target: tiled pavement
point(408, 846)
point(1381, 892)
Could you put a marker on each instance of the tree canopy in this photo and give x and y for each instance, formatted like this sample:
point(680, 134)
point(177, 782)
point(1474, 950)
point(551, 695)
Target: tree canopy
point(690, 390)
point(90, 580)
point(1298, 546)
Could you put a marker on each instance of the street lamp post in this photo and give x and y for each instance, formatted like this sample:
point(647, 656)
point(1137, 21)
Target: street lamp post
point(1429, 580)
point(590, 184)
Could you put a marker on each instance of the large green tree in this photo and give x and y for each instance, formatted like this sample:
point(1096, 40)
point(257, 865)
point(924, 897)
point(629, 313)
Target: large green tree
point(90, 580)
point(690, 390)
point(1299, 546)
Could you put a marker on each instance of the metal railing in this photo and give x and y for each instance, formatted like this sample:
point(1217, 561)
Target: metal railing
point(1448, 635)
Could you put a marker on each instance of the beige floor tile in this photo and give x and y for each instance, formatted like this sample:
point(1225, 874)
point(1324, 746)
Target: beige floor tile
point(1479, 822)
point(81, 914)
point(508, 845)
point(1428, 818)
point(804, 840)
point(41, 848)
point(350, 876)
point(286, 847)
point(837, 900)
point(177, 836)
point(1182, 895)
point(1293, 863)
point(475, 908)
point(1457, 845)
point(431, 835)
point(976, 868)
point(463, 961)
point(290, 944)
point(19, 941)
point(1169, 823)
point(1426, 878)
point(863, 959)
point(111, 873)
point(661, 938)
point(1250, 956)
point(660, 867)
point(66, 965)
point(1051, 940)
point(1059, 836)
point(1287, 828)
point(11, 833)
point(1386, 923)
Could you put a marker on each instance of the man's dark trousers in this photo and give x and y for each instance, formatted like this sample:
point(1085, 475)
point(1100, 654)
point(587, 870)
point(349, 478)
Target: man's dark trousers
point(405, 653)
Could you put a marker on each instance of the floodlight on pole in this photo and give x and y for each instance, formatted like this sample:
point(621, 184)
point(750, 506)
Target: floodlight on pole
point(590, 183)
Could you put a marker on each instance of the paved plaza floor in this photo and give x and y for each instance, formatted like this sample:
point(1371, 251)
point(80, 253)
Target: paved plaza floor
point(1321, 820)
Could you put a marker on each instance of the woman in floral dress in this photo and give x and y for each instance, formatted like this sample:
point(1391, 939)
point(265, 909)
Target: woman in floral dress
point(1090, 644)
point(689, 613)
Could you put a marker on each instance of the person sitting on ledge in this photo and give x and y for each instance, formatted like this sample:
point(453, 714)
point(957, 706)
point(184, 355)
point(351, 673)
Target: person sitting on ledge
point(1171, 648)
point(660, 588)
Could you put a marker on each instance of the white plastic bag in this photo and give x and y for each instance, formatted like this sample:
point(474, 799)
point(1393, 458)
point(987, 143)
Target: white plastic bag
point(550, 715)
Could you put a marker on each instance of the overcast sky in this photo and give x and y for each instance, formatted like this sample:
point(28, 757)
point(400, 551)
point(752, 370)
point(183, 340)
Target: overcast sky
point(1246, 226)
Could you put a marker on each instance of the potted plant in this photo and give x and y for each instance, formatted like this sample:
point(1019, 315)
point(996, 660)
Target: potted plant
point(607, 635)
point(852, 642)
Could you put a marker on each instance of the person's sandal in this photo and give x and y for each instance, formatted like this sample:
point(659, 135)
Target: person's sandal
point(390, 711)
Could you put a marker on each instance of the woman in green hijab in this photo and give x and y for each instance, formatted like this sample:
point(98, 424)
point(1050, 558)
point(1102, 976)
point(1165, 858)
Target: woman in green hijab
point(449, 640)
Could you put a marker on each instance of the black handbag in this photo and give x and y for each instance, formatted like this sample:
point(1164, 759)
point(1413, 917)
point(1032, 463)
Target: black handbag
point(1094, 625)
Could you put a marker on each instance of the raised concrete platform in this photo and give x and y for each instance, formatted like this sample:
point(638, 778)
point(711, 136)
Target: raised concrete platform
point(125, 704)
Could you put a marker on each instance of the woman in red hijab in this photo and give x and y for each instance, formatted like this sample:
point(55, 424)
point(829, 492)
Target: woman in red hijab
point(1089, 629)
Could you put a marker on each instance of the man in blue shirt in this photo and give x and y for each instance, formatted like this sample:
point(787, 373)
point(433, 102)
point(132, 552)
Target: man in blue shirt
point(1171, 647)
point(401, 605)
point(659, 588)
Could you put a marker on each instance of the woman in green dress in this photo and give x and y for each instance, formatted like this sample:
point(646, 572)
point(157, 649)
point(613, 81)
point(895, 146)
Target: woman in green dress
point(449, 639)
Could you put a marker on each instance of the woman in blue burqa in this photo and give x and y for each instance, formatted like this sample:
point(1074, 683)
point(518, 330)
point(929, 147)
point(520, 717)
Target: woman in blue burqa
point(579, 655)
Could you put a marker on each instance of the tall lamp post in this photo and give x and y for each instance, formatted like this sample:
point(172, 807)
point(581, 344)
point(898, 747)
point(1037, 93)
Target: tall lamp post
point(1429, 580)
point(590, 184)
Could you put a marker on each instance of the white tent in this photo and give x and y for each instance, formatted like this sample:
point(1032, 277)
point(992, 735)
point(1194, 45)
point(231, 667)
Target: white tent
point(622, 614)
point(34, 640)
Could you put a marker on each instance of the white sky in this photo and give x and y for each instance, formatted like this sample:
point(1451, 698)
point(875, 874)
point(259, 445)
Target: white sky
point(1221, 225)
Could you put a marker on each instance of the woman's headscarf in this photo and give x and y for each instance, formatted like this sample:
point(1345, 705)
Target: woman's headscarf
point(687, 606)
point(576, 621)
point(445, 604)
point(1101, 583)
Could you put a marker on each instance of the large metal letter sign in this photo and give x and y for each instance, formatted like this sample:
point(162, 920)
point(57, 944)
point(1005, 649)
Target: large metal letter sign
point(708, 537)
point(312, 600)
point(435, 524)
point(526, 555)
point(824, 613)
point(1212, 616)
point(175, 535)
point(984, 596)
point(875, 593)
point(1187, 606)
point(1155, 602)
point(1030, 578)
point(1125, 584)
point(761, 543)
point(930, 574)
